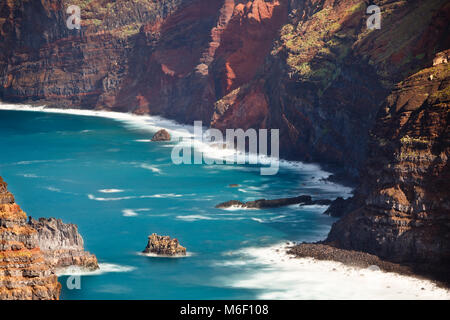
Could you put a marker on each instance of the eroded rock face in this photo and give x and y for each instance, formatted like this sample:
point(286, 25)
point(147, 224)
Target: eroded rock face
point(403, 201)
point(164, 245)
point(61, 244)
point(324, 80)
point(309, 68)
point(24, 272)
point(161, 135)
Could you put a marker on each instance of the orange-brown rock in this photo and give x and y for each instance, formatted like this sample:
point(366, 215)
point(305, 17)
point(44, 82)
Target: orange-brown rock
point(161, 135)
point(246, 41)
point(164, 245)
point(24, 273)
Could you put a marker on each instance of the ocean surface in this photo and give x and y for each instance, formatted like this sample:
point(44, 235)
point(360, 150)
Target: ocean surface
point(101, 172)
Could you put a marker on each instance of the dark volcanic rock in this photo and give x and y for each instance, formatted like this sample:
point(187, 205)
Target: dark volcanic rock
point(340, 207)
point(161, 135)
point(263, 203)
point(164, 245)
point(231, 203)
point(321, 202)
point(61, 244)
point(348, 257)
point(403, 200)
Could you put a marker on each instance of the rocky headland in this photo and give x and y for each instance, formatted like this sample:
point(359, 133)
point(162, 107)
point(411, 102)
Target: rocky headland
point(31, 252)
point(25, 274)
point(164, 246)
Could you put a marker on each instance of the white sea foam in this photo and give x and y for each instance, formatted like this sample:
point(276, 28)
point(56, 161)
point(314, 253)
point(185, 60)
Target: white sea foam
point(150, 167)
point(143, 140)
point(133, 212)
point(92, 197)
point(238, 208)
point(280, 276)
point(194, 217)
point(164, 195)
point(278, 217)
point(154, 255)
point(314, 207)
point(167, 195)
point(30, 175)
point(28, 162)
point(103, 268)
point(53, 189)
point(110, 190)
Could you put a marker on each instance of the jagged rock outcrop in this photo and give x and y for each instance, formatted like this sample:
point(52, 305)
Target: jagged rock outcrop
point(164, 245)
point(61, 244)
point(273, 203)
point(403, 202)
point(24, 272)
point(161, 135)
point(340, 207)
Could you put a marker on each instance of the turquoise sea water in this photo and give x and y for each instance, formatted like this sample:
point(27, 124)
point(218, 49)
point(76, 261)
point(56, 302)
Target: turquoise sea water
point(67, 166)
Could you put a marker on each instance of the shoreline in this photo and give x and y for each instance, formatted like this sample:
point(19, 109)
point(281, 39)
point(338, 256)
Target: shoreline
point(178, 130)
point(362, 260)
point(276, 274)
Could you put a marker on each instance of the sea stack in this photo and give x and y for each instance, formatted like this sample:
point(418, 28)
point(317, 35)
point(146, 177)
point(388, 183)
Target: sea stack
point(164, 245)
point(24, 272)
point(161, 135)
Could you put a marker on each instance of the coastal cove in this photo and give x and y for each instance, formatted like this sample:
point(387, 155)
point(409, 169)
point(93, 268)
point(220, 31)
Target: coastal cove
point(100, 170)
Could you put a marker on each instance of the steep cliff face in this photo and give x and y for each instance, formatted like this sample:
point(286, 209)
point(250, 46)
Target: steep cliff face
point(185, 63)
point(24, 273)
point(404, 205)
point(327, 74)
point(61, 244)
point(309, 68)
point(42, 60)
